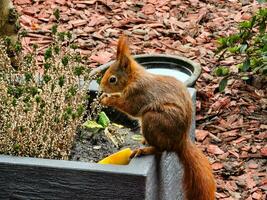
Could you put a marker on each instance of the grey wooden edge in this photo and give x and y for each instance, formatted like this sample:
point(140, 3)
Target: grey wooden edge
point(138, 166)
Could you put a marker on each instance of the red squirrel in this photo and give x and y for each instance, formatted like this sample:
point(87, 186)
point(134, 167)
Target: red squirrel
point(163, 106)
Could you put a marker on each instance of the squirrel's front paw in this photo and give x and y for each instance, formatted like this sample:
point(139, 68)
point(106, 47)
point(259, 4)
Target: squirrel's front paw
point(107, 99)
point(103, 99)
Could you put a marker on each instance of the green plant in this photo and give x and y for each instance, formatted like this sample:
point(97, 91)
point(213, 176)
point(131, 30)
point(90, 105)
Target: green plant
point(249, 45)
point(42, 104)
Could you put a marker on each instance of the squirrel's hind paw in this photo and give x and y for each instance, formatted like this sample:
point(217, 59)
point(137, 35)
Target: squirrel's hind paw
point(143, 151)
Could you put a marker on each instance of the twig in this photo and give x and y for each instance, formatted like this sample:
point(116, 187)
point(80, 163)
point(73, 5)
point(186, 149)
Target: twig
point(214, 137)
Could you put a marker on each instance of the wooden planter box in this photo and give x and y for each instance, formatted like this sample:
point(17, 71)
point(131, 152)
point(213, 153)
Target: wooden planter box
point(146, 177)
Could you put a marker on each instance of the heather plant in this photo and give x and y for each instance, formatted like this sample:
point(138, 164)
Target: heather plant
point(249, 46)
point(42, 103)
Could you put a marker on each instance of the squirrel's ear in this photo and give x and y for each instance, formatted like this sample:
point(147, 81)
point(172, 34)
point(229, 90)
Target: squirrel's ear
point(123, 52)
point(122, 48)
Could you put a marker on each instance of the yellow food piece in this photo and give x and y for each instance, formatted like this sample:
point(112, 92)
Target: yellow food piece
point(119, 158)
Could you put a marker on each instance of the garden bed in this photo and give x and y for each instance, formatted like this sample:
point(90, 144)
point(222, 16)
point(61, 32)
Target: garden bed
point(146, 177)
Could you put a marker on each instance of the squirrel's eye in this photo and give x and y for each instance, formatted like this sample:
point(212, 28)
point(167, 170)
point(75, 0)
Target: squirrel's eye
point(112, 79)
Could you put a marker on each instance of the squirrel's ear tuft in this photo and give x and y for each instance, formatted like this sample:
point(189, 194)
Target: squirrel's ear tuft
point(122, 48)
point(123, 52)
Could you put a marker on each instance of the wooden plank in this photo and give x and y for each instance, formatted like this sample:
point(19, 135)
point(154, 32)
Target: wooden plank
point(26, 182)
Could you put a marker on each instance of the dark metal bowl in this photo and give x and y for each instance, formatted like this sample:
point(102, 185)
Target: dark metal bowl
point(181, 64)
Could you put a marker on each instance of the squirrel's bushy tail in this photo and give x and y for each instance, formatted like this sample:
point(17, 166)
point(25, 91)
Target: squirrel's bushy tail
point(198, 180)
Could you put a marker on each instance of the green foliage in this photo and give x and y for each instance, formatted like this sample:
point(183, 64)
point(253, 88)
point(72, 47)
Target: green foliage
point(65, 60)
point(61, 81)
point(222, 71)
point(261, 1)
point(103, 119)
point(48, 53)
point(57, 14)
point(78, 71)
point(54, 29)
point(102, 122)
point(250, 43)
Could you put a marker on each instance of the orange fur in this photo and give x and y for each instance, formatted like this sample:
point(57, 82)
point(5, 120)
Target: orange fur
point(164, 108)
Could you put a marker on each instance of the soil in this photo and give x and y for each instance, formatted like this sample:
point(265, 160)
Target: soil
point(92, 147)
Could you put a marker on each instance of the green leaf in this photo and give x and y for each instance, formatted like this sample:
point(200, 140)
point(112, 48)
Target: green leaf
point(233, 49)
point(261, 1)
point(103, 119)
point(218, 71)
point(264, 70)
point(61, 81)
point(16, 147)
point(262, 27)
point(77, 58)
point(28, 76)
point(137, 137)
point(47, 65)
point(78, 70)
point(69, 35)
point(253, 20)
point(225, 71)
point(38, 99)
point(245, 24)
point(57, 14)
point(15, 91)
point(33, 91)
point(7, 41)
point(61, 36)
point(243, 48)
point(72, 90)
point(34, 46)
point(221, 71)
point(14, 102)
point(18, 47)
point(232, 39)
point(54, 29)
point(222, 42)
point(98, 80)
point(65, 60)
point(80, 110)
point(92, 126)
point(246, 65)
point(47, 78)
point(73, 46)
point(57, 49)
point(245, 78)
point(69, 110)
point(48, 53)
point(223, 84)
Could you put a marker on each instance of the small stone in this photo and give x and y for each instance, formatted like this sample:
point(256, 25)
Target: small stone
point(245, 2)
point(97, 147)
point(80, 5)
point(253, 165)
point(149, 9)
point(139, 31)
